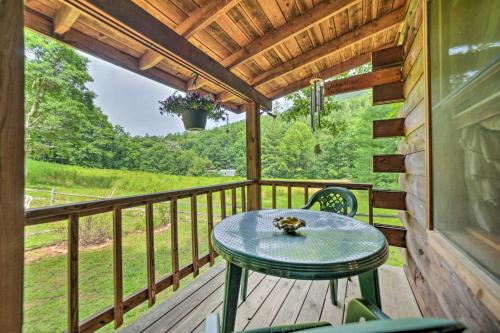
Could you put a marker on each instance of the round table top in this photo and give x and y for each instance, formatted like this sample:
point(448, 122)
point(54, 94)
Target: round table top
point(329, 246)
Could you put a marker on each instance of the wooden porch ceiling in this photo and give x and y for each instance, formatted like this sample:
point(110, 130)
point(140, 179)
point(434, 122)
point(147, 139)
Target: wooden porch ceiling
point(259, 49)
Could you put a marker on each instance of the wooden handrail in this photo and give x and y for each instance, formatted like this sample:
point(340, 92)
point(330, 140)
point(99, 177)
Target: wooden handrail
point(61, 212)
point(314, 184)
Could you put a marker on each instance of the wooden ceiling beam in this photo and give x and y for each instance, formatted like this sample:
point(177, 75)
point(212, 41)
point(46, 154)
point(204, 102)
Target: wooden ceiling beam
point(65, 17)
point(363, 81)
point(295, 26)
point(131, 20)
point(149, 59)
point(365, 31)
point(204, 16)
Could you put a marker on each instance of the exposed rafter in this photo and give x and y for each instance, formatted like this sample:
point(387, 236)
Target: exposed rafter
point(149, 59)
point(363, 81)
point(225, 97)
point(65, 17)
point(204, 16)
point(127, 18)
point(196, 83)
point(295, 26)
point(316, 54)
point(326, 74)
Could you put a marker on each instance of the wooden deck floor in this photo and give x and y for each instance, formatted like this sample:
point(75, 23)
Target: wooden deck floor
point(271, 301)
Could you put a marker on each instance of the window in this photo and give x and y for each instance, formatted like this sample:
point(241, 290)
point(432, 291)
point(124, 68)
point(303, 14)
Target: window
point(465, 94)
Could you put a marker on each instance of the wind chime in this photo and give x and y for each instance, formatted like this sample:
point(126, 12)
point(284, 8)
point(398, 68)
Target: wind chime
point(317, 101)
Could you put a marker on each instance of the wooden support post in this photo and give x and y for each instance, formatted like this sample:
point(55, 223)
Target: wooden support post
point(117, 266)
point(11, 165)
point(174, 241)
point(194, 234)
point(150, 254)
point(306, 194)
point(73, 323)
point(210, 223)
point(252, 111)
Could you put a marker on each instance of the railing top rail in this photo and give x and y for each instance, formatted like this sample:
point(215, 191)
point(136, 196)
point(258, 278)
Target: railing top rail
point(313, 184)
point(61, 212)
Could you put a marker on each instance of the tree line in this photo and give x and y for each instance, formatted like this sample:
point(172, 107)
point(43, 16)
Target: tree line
point(63, 125)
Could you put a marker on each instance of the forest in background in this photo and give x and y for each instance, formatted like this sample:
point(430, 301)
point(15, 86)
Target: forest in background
point(65, 126)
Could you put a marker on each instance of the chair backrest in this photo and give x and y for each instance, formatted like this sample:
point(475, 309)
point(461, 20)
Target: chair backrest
point(335, 200)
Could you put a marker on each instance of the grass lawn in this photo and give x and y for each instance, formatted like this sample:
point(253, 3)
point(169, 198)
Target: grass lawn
point(45, 274)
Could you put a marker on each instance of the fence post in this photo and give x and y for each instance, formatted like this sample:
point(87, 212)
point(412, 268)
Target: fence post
point(53, 196)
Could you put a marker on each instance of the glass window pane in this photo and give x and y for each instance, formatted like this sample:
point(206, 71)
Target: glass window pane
point(465, 77)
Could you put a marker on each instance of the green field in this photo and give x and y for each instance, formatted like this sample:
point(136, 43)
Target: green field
point(45, 274)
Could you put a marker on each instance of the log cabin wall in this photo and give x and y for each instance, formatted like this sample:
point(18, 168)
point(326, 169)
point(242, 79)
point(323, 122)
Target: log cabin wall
point(445, 283)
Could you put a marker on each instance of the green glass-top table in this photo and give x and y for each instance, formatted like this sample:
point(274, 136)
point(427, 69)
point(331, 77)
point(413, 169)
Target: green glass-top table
point(330, 246)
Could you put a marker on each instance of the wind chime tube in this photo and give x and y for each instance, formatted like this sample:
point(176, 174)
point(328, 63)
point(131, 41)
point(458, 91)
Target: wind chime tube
point(321, 103)
point(313, 104)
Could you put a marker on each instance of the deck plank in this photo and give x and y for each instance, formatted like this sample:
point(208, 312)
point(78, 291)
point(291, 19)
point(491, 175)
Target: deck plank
point(271, 301)
point(313, 304)
point(334, 313)
point(293, 303)
point(270, 307)
point(161, 309)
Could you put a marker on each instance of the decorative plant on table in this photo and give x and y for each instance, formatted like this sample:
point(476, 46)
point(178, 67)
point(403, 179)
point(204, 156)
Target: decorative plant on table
point(193, 108)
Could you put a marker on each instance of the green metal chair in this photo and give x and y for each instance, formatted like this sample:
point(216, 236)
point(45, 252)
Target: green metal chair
point(374, 321)
point(331, 199)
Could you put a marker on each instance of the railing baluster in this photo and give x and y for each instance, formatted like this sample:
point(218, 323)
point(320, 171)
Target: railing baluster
point(117, 266)
point(289, 196)
point(273, 196)
point(150, 254)
point(370, 206)
point(73, 322)
point(306, 194)
point(210, 223)
point(234, 209)
point(174, 238)
point(194, 234)
point(243, 199)
point(223, 204)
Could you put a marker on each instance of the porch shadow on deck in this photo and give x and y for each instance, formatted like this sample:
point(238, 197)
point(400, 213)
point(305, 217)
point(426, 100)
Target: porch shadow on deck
point(271, 301)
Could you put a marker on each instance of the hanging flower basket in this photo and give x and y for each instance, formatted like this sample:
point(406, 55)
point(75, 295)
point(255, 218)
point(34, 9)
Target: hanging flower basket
point(193, 108)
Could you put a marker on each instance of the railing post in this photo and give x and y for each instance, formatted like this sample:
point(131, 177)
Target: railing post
point(252, 111)
point(174, 241)
point(150, 254)
point(73, 323)
point(194, 234)
point(210, 223)
point(117, 266)
point(370, 206)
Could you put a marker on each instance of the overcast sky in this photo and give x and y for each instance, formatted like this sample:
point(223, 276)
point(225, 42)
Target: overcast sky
point(131, 100)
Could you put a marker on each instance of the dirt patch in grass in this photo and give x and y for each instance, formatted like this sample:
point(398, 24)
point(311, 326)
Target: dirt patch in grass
point(62, 248)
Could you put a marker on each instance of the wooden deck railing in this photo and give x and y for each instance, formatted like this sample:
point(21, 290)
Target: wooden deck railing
point(73, 212)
